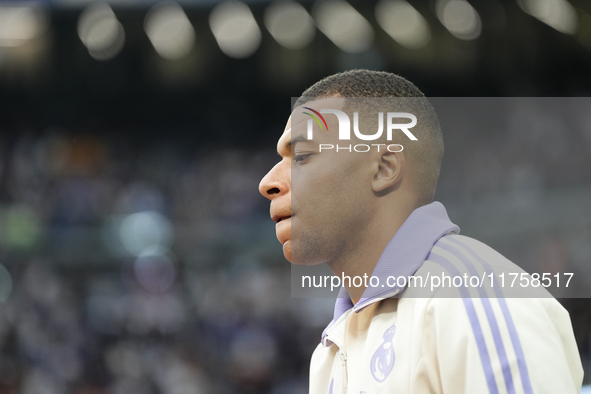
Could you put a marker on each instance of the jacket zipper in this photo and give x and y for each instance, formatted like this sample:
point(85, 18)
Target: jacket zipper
point(345, 376)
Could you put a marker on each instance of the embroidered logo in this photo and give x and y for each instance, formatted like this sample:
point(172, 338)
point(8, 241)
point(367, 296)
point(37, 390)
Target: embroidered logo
point(382, 361)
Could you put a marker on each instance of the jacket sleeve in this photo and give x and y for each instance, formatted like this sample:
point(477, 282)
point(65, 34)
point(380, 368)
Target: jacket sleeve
point(492, 345)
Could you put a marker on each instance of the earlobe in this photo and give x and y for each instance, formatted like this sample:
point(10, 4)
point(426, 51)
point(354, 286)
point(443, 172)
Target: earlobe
point(389, 172)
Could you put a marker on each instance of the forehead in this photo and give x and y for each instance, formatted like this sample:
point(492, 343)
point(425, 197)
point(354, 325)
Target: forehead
point(284, 143)
point(295, 126)
point(318, 104)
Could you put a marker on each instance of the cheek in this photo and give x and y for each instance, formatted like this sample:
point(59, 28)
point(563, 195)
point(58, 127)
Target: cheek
point(311, 193)
point(328, 188)
point(322, 209)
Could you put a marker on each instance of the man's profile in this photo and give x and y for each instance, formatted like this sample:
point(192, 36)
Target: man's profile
point(367, 210)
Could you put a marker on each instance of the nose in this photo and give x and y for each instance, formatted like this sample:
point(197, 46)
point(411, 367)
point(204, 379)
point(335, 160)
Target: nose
point(277, 181)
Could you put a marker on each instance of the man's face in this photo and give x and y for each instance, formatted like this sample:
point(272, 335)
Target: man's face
point(318, 199)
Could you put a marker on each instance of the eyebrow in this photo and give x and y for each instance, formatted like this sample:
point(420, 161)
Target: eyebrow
point(289, 143)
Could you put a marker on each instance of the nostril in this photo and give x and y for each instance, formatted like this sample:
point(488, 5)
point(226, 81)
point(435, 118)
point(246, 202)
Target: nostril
point(273, 191)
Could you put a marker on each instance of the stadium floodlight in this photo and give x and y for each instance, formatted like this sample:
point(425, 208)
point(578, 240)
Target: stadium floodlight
point(403, 23)
point(169, 30)
point(344, 26)
point(235, 29)
point(21, 22)
point(100, 31)
point(460, 18)
point(558, 14)
point(290, 24)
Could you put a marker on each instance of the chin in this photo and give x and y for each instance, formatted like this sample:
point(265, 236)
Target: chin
point(287, 250)
point(306, 249)
point(301, 258)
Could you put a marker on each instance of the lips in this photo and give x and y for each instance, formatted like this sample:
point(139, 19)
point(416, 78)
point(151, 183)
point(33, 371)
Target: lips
point(279, 218)
point(283, 227)
point(282, 214)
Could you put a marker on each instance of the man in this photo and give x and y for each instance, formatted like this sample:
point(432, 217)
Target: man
point(363, 204)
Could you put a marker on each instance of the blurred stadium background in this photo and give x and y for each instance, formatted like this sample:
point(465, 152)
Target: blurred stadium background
point(136, 255)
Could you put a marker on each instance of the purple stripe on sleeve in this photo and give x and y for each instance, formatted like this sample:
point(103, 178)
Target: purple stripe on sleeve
point(526, 383)
point(474, 322)
point(490, 316)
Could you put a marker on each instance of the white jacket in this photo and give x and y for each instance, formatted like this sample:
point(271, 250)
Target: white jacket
point(428, 341)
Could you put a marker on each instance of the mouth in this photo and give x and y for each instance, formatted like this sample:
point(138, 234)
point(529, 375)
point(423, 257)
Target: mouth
point(280, 218)
point(283, 226)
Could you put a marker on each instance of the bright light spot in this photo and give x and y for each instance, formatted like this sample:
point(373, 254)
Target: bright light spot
point(235, 29)
point(290, 24)
point(170, 31)
point(403, 23)
point(5, 284)
point(100, 31)
point(20, 23)
point(142, 230)
point(559, 14)
point(460, 18)
point(344, 26)
point(154, 270)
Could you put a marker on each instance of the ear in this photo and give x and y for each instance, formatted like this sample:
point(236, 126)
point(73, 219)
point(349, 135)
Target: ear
point(389, 172)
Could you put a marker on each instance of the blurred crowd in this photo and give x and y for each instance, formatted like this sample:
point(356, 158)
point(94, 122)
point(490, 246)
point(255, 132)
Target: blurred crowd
point(130, 271)
point(80, 334)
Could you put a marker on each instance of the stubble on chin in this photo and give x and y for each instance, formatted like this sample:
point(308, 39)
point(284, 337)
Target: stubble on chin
point(310, 249)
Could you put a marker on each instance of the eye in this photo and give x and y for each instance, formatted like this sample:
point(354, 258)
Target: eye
point(300, 158)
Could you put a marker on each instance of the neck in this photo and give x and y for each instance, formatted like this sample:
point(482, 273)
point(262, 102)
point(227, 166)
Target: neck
point(361, 256)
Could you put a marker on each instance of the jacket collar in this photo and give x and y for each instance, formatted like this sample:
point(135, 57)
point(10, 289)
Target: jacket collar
point(403, 256)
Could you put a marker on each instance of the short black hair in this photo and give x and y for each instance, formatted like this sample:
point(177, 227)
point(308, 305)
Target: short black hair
point(427, 155)
point(361, 83)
